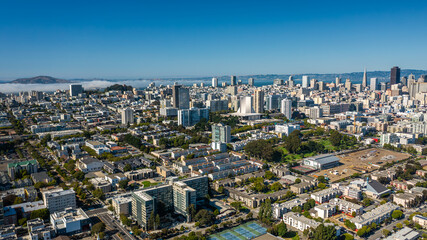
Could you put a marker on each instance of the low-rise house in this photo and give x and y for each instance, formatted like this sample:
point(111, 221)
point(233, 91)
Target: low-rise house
point(37, 229)
point(301, 187)
point(69, 221)
point(406, 199)
point(162, 171)
point(89, 164)
point(421, 220)
point(40, 177)
point(140, 174)
point(404, 234)
point(101, 183)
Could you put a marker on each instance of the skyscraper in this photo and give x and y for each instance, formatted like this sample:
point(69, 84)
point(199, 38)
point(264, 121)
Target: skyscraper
point(286, 108)
point(75, 90)
point(221, 133)
point(394, 75)
point(291, 82)
point(337, 81)
point(305, 80)
point(251, 82)
point(374, 84)
point(233, 81)
point(181, 97)
point(259, 101)
point(214, 82)
point(127, 116)
point(364, 80)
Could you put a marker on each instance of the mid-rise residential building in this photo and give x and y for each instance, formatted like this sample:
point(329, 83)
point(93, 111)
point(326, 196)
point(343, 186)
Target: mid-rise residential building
point(325, 195)
point(127, 116)
point(377, 215)
point(190, 117)
point(59, 199)
point(75, 90)
point(221, 133)
point(30, 167)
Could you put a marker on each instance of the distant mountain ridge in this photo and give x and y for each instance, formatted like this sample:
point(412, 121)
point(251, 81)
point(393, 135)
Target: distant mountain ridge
point(40, 80)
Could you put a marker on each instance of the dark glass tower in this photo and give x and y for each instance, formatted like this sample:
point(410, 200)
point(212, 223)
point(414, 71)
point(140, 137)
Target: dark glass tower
point(395, 75)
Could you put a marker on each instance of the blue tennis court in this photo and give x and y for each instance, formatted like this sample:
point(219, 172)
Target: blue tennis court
point(248, 230)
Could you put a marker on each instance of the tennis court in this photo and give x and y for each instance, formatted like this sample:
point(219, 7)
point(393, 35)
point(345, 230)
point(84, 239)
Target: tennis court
point(245, 231)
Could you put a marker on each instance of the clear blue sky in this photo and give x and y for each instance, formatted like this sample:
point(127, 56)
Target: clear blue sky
point(129, 39)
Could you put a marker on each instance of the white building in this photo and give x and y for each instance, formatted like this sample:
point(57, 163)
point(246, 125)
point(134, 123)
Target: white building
point(127, 116)
point(305, 81)
point(215, 82)
point(58, 199)
point(286, 108)
point(69, 221)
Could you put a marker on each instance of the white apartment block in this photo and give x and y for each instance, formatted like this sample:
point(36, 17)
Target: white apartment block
point(58, 199)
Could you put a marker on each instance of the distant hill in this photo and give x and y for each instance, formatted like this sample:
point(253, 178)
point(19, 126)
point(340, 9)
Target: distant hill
point(40, 80)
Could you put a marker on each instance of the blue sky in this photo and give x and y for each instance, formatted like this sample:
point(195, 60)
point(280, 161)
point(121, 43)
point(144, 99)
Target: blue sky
point(145, 39)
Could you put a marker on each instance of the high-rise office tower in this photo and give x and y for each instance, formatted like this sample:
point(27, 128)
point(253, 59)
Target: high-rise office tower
point(286, 108)
point(394, 75)
point(305, 80)
point(337, 81)
point(181, 97)
point(291, 82)
point(374, 84)
point(404, 81)
point(127, 116)
point(233, 81)
point(259, 101)
point(365, 79)
point(251, 82)
point(278, 81)
point(313, 83)
point(348, 84)
point(221, 133)
point(214, 82)
point(75, 90)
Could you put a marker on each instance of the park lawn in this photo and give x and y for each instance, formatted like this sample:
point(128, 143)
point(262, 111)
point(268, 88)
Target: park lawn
point(148, 184)
point(328, 145)
point(289, 156)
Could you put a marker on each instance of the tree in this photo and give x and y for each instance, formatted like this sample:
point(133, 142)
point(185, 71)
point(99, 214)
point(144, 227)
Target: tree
point(123, 184)
point(397, 214)
point(98, 194)
point(221, 189)
point(205, 217)
point(265, 214)
point(325, 233)
point(348, 236)
point(191, 210)
point(278, 230)
point(276, 186)
point(353, 214)
point(386, 232)
point(97, 228)
point(125, 220)
point(157, 222)
point(335, 138)
point(18, 200)
point(40, 213)
point(22, 221)
point(127, 168)
point(237, 206)
point(297, 180)
point(293, 142)
point(399, 225)
point(269, 175)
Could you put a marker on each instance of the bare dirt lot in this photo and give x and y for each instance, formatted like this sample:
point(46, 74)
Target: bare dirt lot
point(361, 162)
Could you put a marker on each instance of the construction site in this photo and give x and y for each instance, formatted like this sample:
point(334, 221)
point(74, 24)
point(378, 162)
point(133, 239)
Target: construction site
point(363, 161)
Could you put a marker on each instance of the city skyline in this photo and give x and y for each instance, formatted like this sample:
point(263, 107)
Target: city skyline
point(153, 40)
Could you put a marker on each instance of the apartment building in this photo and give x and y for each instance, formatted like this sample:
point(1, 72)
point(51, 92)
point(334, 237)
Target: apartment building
point(325, 195)
point(377, 215)
point(58, 199)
